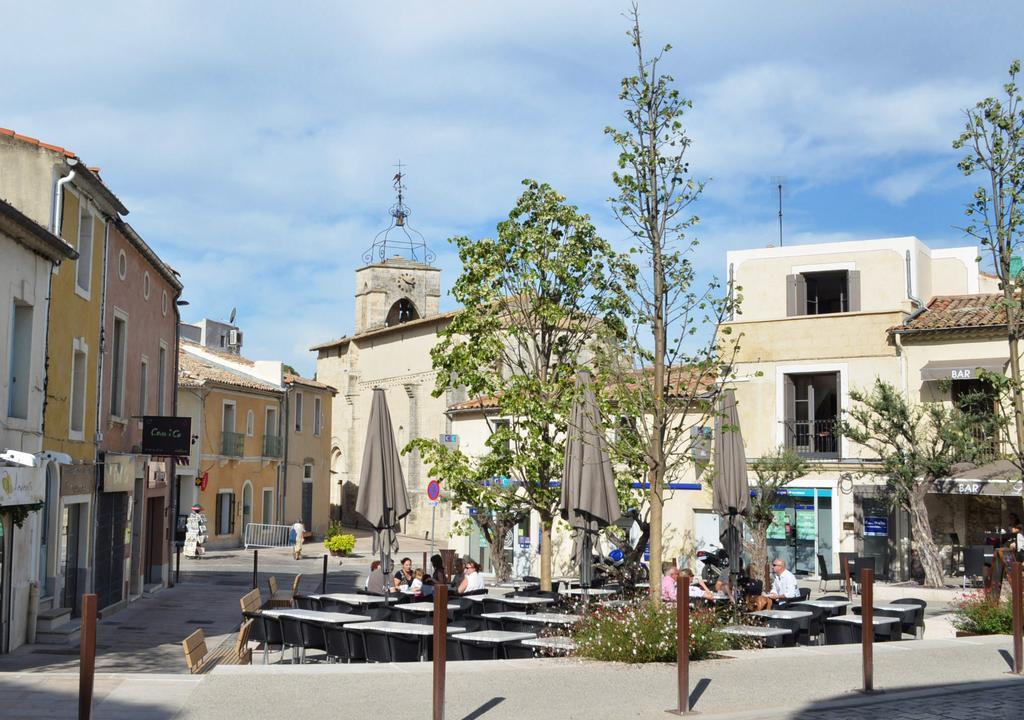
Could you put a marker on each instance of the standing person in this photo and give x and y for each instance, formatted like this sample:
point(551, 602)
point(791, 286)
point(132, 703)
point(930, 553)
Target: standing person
point(472, 579)
point(404, 575)
point(300, 536)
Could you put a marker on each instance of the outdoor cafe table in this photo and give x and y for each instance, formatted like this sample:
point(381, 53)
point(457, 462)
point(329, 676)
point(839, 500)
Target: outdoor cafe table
point(833, 607)
point(350, 598)
point(880, 624)
point(524, 602)
point(544, 618)
point(592, 592)
point(796, 620)
point(426, 607)
point(517, 584)
point(555, 645)
point(772, 637)
point(387, 627)
point(495, 638)
point(905, 613)
point(317, 616)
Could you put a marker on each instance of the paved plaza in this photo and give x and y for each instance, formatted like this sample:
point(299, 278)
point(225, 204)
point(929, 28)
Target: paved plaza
point(141, 671)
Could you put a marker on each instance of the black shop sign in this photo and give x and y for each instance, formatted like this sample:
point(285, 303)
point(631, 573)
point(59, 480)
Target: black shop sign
point(166, 435)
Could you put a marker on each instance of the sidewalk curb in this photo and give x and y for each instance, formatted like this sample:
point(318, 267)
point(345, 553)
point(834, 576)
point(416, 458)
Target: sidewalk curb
point(860, 700)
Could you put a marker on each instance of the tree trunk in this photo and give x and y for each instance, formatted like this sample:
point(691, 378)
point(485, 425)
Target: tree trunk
point(545, 553)
point(927, 550)
point(759, 555)
point(499, 563)
point(657, 506)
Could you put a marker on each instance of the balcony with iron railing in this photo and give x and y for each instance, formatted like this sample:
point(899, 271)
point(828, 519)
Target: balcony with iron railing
point(813, 439)
point(272, 446)
point(232, 444)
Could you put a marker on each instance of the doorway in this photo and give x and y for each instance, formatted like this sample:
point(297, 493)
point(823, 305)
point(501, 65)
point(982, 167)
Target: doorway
point(246, 506)
point(154, 540)
point(70, 542)
point(802, 529)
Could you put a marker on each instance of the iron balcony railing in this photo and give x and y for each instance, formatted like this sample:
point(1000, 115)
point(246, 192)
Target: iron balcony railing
point(272, 446)
point(232, 444)
point(813, 439)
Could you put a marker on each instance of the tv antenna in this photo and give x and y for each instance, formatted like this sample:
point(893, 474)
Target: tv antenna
point(231, 319)
point(779, 181)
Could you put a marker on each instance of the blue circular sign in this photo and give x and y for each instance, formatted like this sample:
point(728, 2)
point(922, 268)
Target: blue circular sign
point(433, 490)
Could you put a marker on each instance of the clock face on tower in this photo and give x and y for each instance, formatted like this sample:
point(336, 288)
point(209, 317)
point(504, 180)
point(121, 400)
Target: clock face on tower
point(407, 281)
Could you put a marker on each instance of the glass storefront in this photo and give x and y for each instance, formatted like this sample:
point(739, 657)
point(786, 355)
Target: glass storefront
point(802, 529)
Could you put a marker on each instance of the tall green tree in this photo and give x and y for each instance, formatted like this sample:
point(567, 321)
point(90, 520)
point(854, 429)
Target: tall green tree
point(671, 365)
point(916, 445)
point(993, 141)
point(536, 300)
point(774, 470)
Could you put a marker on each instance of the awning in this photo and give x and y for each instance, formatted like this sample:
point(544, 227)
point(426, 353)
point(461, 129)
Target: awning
point(1000, 477)
point(961, 369)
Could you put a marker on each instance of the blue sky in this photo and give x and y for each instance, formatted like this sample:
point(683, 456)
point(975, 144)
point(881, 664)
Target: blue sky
point(254, 143)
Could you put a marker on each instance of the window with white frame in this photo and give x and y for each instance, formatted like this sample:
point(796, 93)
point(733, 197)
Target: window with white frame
point(117, 374)
point(298, 412)
point(145, 285)
point(143, 386)
point(122, 265)
point(161, 378)
point(228, 419)
point(79, 363)
point(225, 518)
point(316, 416)
point(270, 428)
point(19, 372)
point(83, 272)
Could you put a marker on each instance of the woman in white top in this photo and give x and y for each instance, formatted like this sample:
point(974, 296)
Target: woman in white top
point(472, 580)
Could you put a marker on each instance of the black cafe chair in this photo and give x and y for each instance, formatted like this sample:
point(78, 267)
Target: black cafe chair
point(840, 633)
point(356, 645)
point(271, 636)
point(478, 651)
point(291, 634)
point(517, 651)
point(303, 602)
point(312, 637)
point(404, 648)
point(814, 627)
point(918, 623)
point(336, 640)
point(824, 576)
point(377, 648)
point(453, 649)
point(329, 605)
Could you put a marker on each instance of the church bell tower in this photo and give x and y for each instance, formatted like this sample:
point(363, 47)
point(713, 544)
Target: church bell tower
point(397, 283)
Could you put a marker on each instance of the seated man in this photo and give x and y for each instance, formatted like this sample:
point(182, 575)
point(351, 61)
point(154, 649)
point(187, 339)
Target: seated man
point(784, 585)
point(669, 580)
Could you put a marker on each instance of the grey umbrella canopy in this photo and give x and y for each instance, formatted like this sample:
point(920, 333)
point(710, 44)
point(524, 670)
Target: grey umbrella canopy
point(589, 501)
point(382, 498)
point(731, 487)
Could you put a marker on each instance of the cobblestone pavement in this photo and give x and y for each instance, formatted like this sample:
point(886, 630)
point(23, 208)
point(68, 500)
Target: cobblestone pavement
point(1002, 702)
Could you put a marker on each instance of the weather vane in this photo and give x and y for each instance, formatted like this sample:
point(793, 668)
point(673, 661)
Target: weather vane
point(389, 241)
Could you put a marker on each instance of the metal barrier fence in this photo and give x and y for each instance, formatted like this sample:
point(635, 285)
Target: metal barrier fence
point(266, 536)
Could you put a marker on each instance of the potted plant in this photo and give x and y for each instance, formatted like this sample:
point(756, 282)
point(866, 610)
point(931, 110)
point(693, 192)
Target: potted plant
point(340, 544)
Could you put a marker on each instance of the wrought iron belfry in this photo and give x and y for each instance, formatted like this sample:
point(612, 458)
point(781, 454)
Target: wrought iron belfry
point(399, 238)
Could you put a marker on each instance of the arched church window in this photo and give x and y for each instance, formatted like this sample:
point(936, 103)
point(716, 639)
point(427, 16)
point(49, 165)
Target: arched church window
point(401, 312)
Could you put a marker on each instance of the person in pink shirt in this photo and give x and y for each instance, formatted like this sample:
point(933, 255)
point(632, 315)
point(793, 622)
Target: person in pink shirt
point(669, 578)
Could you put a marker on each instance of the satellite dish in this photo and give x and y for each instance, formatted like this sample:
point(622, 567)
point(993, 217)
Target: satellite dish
point(231, 320)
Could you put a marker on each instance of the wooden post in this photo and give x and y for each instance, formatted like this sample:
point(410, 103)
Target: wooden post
point(255, 569)
point(683, 643)
point(440, 647)
point(87, 662)
point(867, 628)
point(1018, 643)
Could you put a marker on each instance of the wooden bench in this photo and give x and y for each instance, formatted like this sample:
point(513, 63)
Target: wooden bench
point(252, 601)
point(199, 659)
point(282, 598)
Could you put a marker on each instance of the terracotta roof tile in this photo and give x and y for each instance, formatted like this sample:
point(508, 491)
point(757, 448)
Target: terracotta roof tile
point(223, 355)
point(956, 312)
point(290, 379)
point(35, 141)
point(479, 403)
point(196, 371)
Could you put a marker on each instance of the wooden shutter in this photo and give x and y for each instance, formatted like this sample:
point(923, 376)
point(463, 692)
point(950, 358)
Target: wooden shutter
point(218, 509)
point(796, 295)
point(789, 400)
point(853, 290)
point(231, 513)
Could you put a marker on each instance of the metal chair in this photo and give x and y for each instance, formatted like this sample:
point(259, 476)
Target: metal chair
point(975, 560)
point(840, 633)
point(517, 651)
point(404, 648)
point(291, 634)
point(815, 624)
point(331, 605)
point(356, 644)
point(376, 613)
point(917, 627)
point(313, 637)
point(304, 602)
point(377, 647)
point(271, 636)
point(453, 649)
point(478, 651)
point(336, 643)
point(824, 576)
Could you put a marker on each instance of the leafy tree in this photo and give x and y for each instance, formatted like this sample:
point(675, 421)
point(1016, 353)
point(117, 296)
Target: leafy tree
point(916, 445)
point(477, 483)
point(535, 301)
point(993, 138)
point(669, 369)
point(774, 471)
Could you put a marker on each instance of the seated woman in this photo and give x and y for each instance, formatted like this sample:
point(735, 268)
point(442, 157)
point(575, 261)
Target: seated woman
point(472, 579)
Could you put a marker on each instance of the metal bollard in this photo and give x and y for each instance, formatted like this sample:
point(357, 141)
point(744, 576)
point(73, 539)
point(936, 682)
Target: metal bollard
point(1018, 641)
point(255, 569)
point(867, 628)
point(440, 647)
point(323, 583)
point(683, 643)
point(177, 565)
point(87, 662)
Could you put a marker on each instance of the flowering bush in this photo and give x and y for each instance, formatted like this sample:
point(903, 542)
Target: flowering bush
point(976, 613)
point(646, 632)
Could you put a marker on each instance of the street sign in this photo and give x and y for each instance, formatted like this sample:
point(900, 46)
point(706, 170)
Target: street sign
point(449, 441)
point(433, 490)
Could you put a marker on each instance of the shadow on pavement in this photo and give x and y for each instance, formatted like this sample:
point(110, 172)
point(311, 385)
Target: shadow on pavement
point(483, 709)
point(996, 699)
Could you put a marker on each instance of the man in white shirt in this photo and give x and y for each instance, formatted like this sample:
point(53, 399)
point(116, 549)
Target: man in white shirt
point(784, 585)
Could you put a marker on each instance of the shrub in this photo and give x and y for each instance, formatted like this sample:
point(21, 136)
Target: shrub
point(976, 613)
point(334, 528)
point(341, 543)
point(646, 632)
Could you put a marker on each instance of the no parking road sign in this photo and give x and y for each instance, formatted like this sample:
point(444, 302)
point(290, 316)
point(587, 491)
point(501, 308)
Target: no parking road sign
point(433, 491)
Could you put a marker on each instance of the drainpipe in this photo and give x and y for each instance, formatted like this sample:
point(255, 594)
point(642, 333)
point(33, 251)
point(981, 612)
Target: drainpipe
point(174, 485)
point(910, 286)
point(283, 468)
point(58, 197)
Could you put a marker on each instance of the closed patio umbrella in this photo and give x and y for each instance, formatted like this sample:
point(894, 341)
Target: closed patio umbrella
point(382, 498)
point(731, 488)
point(589, 501)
